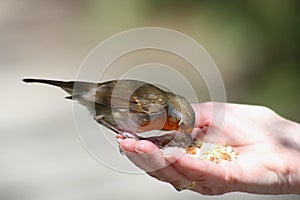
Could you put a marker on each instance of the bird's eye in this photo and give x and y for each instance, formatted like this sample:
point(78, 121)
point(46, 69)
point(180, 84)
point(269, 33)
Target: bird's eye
point(174, 119)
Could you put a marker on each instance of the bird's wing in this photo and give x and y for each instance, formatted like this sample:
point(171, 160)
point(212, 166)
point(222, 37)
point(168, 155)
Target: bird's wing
point(137, 96)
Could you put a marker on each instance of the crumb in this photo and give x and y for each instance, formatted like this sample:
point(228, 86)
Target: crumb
point(213, 153)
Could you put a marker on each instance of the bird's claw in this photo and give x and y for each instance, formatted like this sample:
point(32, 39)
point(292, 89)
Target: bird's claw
point(121, 136)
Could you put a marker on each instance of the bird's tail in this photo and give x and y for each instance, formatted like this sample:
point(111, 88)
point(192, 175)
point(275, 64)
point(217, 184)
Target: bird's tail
point(49, 82)
point(68, 86)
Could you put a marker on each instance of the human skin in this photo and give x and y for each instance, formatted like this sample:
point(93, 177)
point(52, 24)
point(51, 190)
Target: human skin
point(268, 146)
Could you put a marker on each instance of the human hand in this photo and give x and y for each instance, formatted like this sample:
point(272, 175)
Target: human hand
point(268, 146)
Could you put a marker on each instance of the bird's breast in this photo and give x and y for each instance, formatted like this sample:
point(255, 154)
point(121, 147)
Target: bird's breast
point(138, 122)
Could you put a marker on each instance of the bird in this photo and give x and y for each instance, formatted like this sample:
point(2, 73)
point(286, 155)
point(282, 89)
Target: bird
point(131, 106)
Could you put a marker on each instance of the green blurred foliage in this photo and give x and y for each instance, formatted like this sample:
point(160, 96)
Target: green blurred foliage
point(254, 43)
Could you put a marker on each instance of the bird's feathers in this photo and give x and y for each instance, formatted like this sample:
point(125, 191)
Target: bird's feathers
point(123, 94)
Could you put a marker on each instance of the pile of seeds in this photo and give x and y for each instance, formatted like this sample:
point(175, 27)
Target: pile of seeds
point(214, 153)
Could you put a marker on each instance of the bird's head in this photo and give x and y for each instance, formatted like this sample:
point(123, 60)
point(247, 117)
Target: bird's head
point(181, 115)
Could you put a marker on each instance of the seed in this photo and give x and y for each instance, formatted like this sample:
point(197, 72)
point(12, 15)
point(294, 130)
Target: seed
point(213, 153)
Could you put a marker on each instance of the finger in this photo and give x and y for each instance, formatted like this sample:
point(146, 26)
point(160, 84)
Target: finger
point(210, 178)
point(150, 155)
point(212, 123)
point(209, 112)
point(213, 135)
point(149, 158)
point(203, 114)
point(144, 154)
point(209, 135)
point(128, 145)
point(171, 175)
point(194, 169)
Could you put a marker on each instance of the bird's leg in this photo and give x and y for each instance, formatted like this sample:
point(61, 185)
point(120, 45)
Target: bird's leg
point(100, 120)
point(120, 134)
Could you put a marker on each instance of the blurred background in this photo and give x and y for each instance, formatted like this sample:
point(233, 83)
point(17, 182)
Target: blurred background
point(255, 45)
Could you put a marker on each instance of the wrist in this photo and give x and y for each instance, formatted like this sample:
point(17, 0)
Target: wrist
point(293, 145)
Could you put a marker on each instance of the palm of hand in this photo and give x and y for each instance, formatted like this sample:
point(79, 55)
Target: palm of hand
point(262, 166)
point(263, 162)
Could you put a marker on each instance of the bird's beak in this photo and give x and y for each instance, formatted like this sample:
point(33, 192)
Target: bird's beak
point(185, 128)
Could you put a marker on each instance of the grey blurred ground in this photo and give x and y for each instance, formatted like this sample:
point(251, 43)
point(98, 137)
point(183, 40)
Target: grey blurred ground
point(41, 156)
